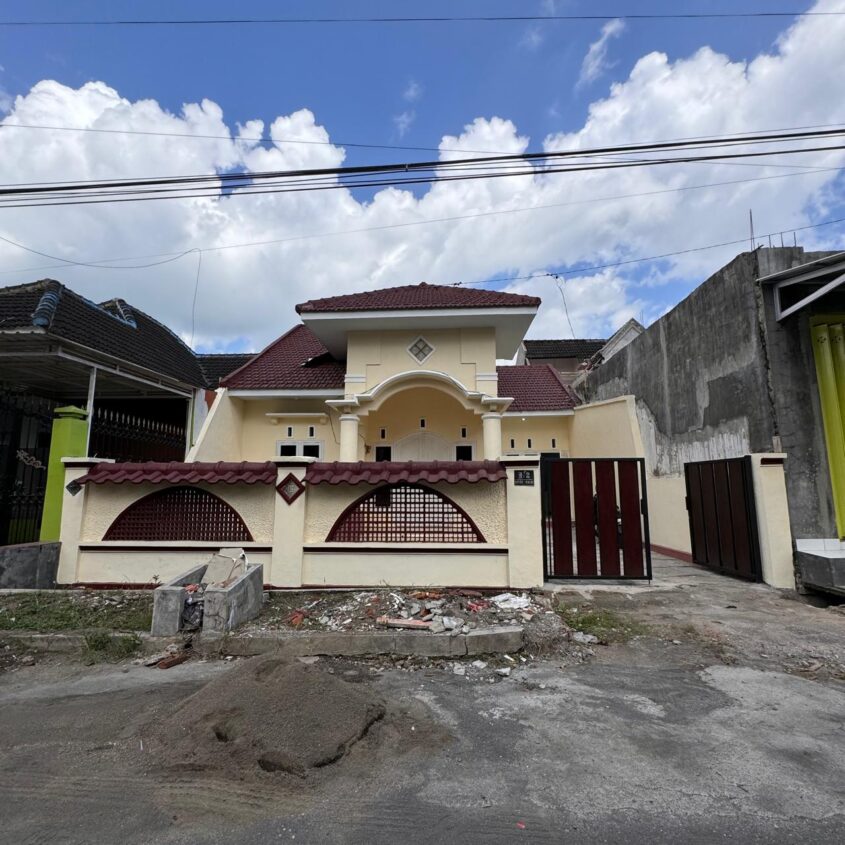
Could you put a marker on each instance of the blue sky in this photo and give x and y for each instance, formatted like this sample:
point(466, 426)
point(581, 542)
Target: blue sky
point(391, 84)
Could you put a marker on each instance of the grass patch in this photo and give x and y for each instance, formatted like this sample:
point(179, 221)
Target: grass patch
point(60, 610)
point(104, 645)
point(607, 626)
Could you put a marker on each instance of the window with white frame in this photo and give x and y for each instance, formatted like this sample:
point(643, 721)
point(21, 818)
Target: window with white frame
point(420, 350)
point(300, 449)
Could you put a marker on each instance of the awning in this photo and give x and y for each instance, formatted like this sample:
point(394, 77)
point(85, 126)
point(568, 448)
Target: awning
point(394, 472)
point(175, 472)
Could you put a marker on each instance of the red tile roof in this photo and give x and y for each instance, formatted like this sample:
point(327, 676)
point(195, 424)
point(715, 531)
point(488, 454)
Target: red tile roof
point(296, 361)
point(176, 472)
point(535, 388)
point(422, 296)
point(394, 472)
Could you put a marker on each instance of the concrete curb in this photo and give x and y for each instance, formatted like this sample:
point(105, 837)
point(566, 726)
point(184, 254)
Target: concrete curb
point(59, 642)
point(502, 638)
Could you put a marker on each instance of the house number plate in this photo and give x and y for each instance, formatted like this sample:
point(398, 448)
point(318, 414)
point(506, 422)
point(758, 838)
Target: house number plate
point(523, 477)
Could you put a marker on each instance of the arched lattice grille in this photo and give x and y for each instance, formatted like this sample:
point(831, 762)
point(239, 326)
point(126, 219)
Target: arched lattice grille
point(180, 513)
point(404, 513)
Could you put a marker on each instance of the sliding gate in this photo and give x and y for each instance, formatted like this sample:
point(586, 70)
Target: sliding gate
point(595, 518)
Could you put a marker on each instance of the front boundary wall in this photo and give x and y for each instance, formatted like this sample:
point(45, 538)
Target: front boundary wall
point(289, 534)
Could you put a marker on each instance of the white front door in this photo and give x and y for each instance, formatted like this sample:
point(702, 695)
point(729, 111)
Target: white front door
point(423, 446)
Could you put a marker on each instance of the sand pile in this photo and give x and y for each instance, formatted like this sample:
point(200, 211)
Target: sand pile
point(267, 714)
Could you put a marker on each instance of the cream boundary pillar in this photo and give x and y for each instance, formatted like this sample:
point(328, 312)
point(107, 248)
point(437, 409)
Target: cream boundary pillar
point(349, 437)
point(288, 527)
point(773, 526)
point(73, 511)
point(491, 424)
point(525, 544)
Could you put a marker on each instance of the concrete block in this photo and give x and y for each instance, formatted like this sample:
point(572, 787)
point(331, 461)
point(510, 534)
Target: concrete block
point(498, 639)
point(429, 645)
point(29, 566)
point(822, 572)
point(228, 607)
point(168, 600)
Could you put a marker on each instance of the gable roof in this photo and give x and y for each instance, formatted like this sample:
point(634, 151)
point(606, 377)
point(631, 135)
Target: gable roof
point(535, 388)
point(584, 348)
point(296, 361)
point(414, 297)
point(113, 327)
point(218, 365)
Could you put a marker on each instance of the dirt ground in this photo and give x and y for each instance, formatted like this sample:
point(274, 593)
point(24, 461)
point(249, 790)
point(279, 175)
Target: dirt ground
point(719, 716)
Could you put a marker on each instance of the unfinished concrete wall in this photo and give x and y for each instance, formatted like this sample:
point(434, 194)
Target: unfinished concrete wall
point(29, 566)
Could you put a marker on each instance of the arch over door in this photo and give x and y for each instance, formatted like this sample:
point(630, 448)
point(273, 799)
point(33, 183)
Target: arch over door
point(423, 446)
point(180, 513)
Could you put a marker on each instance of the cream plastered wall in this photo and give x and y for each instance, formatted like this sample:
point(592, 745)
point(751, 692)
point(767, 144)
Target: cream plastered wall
point(540, 431)
point(462, 353)
point(260, 433)
point(606, 430)
point(484, 503)
point(668, 519)
point(220, 436)
point(401, 414)
point(341, 569)
point(141, 567)
point(105, 502)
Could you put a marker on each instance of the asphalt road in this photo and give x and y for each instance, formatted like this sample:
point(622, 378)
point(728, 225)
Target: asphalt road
point(654, 743)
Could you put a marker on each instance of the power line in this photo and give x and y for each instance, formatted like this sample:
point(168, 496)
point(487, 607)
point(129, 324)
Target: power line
point(104, 264)
point(689, 16)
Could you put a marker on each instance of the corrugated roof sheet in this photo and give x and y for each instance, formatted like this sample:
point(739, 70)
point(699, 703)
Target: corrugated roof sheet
point(296, 361)
point(175, 472)
point(394, 472)
point(535, 388)
point(583, 348)
point(422, 296)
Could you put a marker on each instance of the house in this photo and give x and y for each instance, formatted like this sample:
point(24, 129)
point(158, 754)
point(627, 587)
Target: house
point(141, 385)
point(376, 441)
point(737, 392)
point(566, 356)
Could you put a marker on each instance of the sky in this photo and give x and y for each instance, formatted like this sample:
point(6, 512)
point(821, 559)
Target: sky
point(441, 88)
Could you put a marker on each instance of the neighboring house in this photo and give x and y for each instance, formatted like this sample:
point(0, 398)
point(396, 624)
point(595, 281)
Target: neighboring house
point(217, 366)
point(139, 380)
point(750, 363)
point(566, 356)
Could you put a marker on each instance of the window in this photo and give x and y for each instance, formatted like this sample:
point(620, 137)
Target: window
point(513, 443)
point(554, 443)
point(463, 453)
point(290, 431)
point(383, 433)
point(420, 349)
point(422, 423)
point(384, 453)
point(310, 430)
point(404, 513)
point(529, 442)
point(300, 448)
point(463, 432)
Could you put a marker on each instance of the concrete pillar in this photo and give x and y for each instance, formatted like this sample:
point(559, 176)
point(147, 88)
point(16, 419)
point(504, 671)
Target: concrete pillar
point(773, 528)
point(72, 513)
point(69, 439)
point(349, 437)
point(491, 424)
point(288, 526)
point(525, 544)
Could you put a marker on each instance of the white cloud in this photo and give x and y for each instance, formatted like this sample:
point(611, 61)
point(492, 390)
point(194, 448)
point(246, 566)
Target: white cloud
point(413, 91)
point(250, 292)
point(532, 38)
point(404, 121)
point(596, 62)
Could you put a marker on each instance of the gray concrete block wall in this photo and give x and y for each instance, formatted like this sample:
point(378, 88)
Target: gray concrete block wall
point(228, 607)
point(29, 566)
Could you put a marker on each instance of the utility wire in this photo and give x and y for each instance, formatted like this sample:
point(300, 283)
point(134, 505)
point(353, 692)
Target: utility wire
point(416, 19)
point(104, 264)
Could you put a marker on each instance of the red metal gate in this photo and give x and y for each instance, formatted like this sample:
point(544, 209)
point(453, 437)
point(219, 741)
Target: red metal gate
point(595, 518)
point(723, 516)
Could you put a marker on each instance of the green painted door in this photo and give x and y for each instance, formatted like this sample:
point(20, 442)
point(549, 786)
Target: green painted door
point(829, 351)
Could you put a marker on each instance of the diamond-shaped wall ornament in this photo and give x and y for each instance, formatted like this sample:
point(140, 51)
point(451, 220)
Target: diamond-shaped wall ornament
point(290, 488)
point(420, 349)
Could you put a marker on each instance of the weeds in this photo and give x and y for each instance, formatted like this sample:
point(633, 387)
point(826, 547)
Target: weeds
point(59, 610)
point(607, 626)
point(103, 645)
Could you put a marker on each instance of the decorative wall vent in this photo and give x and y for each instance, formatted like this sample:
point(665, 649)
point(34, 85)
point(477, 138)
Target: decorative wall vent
point(420, 350)
point(404, 513)
point(180, 513)
point(290, 488)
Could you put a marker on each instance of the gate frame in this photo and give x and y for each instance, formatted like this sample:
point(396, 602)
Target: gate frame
point(546, 518)
point(750, 504)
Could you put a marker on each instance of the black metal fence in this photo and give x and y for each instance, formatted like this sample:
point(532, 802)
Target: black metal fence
point(127, 437)
point(26, 423)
